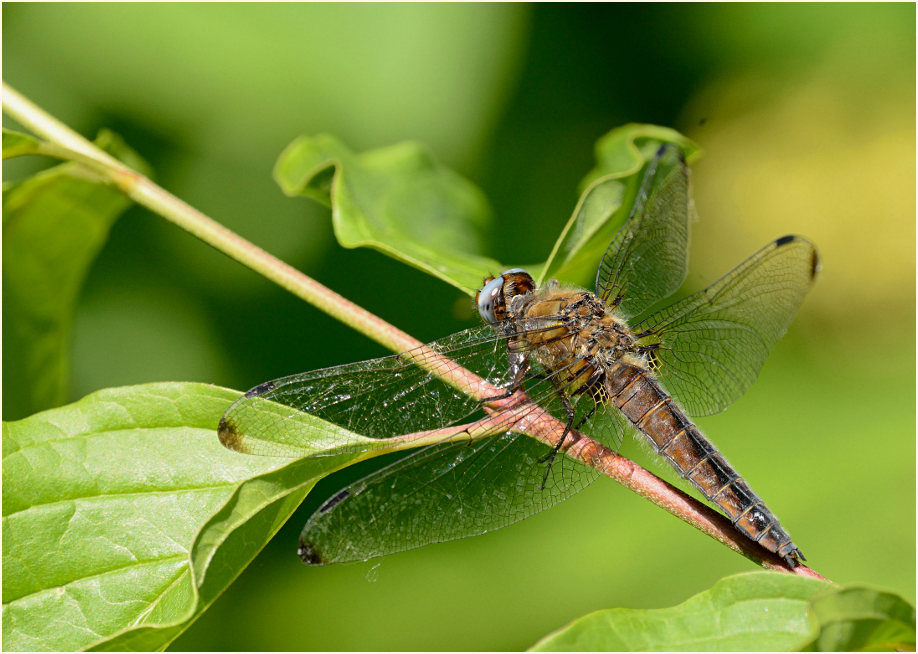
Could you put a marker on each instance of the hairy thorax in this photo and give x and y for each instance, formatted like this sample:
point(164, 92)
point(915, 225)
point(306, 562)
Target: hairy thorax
point(580, 340)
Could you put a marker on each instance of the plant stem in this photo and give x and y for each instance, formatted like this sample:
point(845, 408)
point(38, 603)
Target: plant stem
point(143, 191)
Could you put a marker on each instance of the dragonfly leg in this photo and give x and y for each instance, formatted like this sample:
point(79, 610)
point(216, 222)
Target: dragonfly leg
point(585, 418)
point(519, 370)
point(508, 391)
point(550, 457)
point(569, 409)
point(511, 389)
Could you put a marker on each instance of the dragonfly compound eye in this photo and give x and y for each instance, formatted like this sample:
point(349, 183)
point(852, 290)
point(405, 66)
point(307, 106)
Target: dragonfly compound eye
point(496, 293)
point(488, 298)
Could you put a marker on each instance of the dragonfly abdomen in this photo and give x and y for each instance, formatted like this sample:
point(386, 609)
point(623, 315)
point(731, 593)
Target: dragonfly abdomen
point(675, 437)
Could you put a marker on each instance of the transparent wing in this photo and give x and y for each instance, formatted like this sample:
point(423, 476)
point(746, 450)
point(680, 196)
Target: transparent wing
point(454, 490)
point(378, 398)
point(648, 258)
point(711, 345)
point(444, 491)
point(440, 493)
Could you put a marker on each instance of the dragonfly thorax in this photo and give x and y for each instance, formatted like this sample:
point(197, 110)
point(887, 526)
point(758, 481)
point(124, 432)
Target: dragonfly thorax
point(572, 334)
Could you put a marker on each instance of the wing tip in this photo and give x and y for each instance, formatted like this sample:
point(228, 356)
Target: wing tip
point(230, 436)
point(309, 554)
point(815, 265)
point(667, 147)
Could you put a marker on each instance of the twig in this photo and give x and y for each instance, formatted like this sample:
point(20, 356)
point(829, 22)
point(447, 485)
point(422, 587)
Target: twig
point(144, 192)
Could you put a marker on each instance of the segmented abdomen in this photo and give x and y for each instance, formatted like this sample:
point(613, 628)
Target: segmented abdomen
point(675, 437)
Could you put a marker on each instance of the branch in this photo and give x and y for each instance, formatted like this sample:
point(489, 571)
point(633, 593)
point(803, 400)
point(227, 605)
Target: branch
point(532, 420)
point(145, 193)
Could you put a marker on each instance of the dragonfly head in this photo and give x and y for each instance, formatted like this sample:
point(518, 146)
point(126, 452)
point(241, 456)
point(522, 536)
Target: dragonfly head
point(497, 292)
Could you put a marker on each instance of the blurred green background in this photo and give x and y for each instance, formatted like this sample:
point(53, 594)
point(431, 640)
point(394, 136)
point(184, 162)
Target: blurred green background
point(807, 117)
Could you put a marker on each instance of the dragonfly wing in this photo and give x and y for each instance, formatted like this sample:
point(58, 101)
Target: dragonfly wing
point(648, 258)
point(608, 426)
point(458, 489)
point(440, 493)
point(375, 399)
point(712, 344)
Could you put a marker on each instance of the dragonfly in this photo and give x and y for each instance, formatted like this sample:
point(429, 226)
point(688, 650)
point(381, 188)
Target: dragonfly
point(599, 364)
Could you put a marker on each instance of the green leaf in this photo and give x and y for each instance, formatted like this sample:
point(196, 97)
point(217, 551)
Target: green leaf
point(403, 203)
point(54, 224)
point(124, 517)
point(396, 199)
point(625, 149)
point(607, 194)
point(758, 611)
point(859, 619)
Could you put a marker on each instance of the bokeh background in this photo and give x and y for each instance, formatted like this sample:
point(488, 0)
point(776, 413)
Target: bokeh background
point(806, 114)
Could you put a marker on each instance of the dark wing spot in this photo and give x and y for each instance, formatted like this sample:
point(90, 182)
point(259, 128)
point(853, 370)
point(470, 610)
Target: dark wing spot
point(666, 147)
point(814, 265)
point(309, 554)
point(334, 500)
point(229, 436)
point(784, 240)
point(261, 389)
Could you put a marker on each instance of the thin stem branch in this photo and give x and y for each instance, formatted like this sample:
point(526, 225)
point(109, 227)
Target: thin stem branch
point(143, 191)
point(538, 424)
